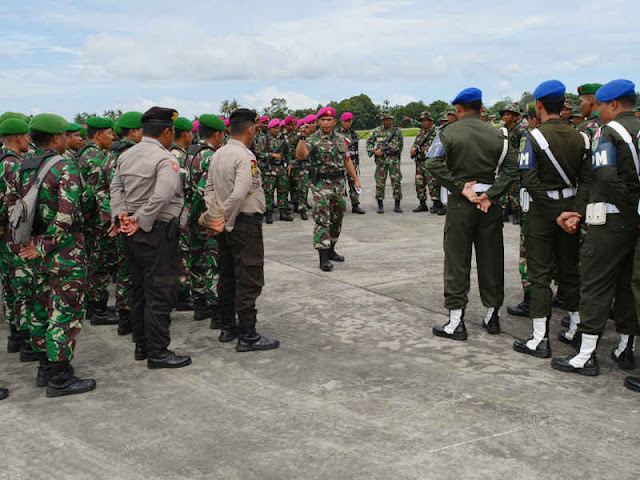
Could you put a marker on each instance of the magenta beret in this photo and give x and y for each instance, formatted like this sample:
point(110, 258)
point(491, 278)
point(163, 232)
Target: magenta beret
point(196, 125)
point(287, 120)
point(310, 119)
point(346, 116)
point(264, 119)
point(226, 122)
point(274, 123)
point(327, 112)
point(299, 123)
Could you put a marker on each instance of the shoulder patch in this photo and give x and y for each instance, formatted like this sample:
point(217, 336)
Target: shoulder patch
point(175, 165)
point(603, 152)
point(254, 167)
point(436, 149)
point(527, 159)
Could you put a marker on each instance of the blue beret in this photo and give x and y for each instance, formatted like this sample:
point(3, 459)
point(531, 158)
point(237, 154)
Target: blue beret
point(550, 88)
point(468, 95)
point(615, 89)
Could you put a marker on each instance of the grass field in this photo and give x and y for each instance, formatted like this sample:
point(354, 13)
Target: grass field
point(406, 132)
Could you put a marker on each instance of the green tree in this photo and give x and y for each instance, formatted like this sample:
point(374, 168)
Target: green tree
point(112, 114)
point(277, 108)
point(228, 106)
point(82, 118)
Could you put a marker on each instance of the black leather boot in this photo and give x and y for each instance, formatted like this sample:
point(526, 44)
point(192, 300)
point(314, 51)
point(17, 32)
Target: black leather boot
point(356, 209)
point(521, 309)
point(493, 325)
point(542, 350)
point(325, 264)
point(333, 256)
point(625, 360)
point(42, 377)
point(515, 218)
point(185, 302)
point(295, 208)
point(435, 207)
point(140, 353)
point(380, 206)
point(397, 208)
point(27, 353)
point(632, 383)
point(201, 311)
point(460, 333)
point(216, 321)
point(168, 359)
point(442, 210)
point(63, 382)
point(269, 217)
point(422, 207)
point(303, 214)
point(100, 315)
point(15, 339)
point(124, 322)
point(256, 343)
point(585, 358)
point(285, 216)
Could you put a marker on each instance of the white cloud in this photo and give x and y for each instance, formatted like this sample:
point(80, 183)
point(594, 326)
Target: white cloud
point(295, 100)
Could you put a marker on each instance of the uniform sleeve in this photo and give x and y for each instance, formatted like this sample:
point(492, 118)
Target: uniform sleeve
point(585, 181)
point(68, 214)
point(99, 179)
point(371, 142)
point(241, 187)
point(436, 165)
point(400, 141)
point(509, 174)
point(167, 183)
point(116, 191)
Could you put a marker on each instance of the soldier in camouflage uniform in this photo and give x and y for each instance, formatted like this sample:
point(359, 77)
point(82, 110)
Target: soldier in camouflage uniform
point(576, 117)
point(511, 200)
point(589, 109)
point(99, 247)
point(130, 127)
point(57, 255)
point(329, 157)
point(17, 276)
point(419, 151)
point(385, 144)
point(183, 139)
point(346, 121)
point(298, 172)
point(73, 141)
point(272, 158)
point(203, 245)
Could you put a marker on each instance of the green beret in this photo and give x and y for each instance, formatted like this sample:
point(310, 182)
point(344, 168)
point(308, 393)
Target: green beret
point(212, 121)
point(386, 116)
point(100, 123)
point(49, 123)
point(185, 124)
point(74, 127)
point(589, 88)
point(130, 120)
point(13, 126)
point(116, 129)
point(19, 116)
point(83, 132)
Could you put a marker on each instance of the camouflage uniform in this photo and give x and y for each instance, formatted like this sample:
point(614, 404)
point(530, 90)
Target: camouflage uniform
point(354, 139)
point(274, 172)
point(327, 171)
point(388, 164)
point(590, 125)
point(299, 176)
point(203, 249)
point(512, 197)
point(185, 257)
point(61, 275)
point(424, 179)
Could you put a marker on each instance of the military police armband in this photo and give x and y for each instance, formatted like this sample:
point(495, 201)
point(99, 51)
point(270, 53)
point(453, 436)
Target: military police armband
point(603, 152)
point(527, 159)
point(436, 149)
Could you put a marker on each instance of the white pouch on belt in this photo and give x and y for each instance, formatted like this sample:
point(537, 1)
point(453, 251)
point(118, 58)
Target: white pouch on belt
point(596, 213)
point(444, 195)
point(525, 200)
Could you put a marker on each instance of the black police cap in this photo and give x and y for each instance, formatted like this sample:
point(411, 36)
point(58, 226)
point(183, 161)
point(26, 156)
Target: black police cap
point(160, 115)
point(242, 115)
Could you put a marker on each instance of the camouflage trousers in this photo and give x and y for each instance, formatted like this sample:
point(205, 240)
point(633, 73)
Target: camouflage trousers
point(58, 311)
point(272, 182)
point(101, 260)
point(300, 185)
point(425, 181)
point(328, 211)
point(512, 197)
point(18, 283)
point(204, 266)
point(185, 264)
point(390, 167)
point(124, 280)
point(354, 196)
point(8, 294)
point(522, 259)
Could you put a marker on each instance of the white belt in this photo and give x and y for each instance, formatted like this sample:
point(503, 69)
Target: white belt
point(481, 187)
point(611, 208)
point(566, 193)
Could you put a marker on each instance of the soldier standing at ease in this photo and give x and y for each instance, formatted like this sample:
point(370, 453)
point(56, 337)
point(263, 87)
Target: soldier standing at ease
point(553, 161)
point(147, 205)
point(272, 155)
point(419, 151)
point(510, 116)
point(465, 158)
point(385, 144)
point(346, 121)
point(589, 107)
point(328, 159)
point(606, 257)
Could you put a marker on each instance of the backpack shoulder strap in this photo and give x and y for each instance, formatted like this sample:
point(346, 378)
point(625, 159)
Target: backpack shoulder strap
point(46, 168)
point(626, 137)
point(544, 145)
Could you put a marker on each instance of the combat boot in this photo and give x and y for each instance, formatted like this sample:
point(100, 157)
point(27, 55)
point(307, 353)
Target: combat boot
point(538, 345)
point(303, 214)
point(491, 323)
point(442, 210)
point(333, 256)
point(285, 216)
point(397, 208)
point(185, 302)
point(16, 339)
point(4, 393)
point(584, 362)
point(124, 322)
point(42, 377)
point(435, 207)
point(295, 208)
point(454, 328)
point(201, 311)
point(63, 382)
point(380, 206)
point(269, 217)
point(623, 354)
point(632, 383)
point(325, 264)
point(521, 309)
point(569, 335)
point(140, 353)
point(100, 315)
point(216, 320)
point(27, 354)
point(422, 207)
point(356, 209)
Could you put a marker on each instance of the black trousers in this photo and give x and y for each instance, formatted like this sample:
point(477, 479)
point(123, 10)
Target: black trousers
point(241, 264)
point(154, 260)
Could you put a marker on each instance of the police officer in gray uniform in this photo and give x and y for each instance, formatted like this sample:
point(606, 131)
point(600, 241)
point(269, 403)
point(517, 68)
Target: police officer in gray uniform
point(147, 205)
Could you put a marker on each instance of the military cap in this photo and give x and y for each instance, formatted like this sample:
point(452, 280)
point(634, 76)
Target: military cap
point(511, 107)
point(589, 88)
point(310, 118)
point(484, 113)
point(196, 126)
point(386, 116)
point(130, 120)
point(14, 126)
point(83, 131)
point(49, 123)
point(568, 105)
point(74, 127)
point(468, 95)
point(264, 119)
point(346, 116)
point(19, 116)
point(576, 112)
point(327, 112)
point(287, 120)
point(241, 115)
point(213, 121)
point(550, 88)
point(452, 111)
point(182, 123)
point(160, 116)
point(299, 123)
point(116, 129)
point(100, 123)
point(274, 123)
point(425, 116)
point(615, 89)
point(226, 122)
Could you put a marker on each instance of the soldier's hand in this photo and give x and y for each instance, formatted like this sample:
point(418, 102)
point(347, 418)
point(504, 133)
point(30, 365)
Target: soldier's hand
point(413, 151)
point(129, 225)
point(378, 152)
point(28, 251)
point(289, 170)
point(277, 156)
point(469, 193)
point(569, 221)
point(484, 204)
point(113, 230)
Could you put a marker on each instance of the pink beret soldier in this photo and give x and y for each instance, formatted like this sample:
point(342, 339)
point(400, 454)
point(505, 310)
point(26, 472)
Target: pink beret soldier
point(346, 116)
point(327, 112)
point(275, 123)
point(264, 119)
point(226, 122)
point(196, 126)
point(299, 123)
point(310, 119)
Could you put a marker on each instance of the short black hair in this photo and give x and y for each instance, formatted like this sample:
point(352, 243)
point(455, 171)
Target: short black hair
point(154, 129)
point(628, 101)
point(553, 105)
point(238, 127)
point(41, 139)
point(91, 131)
point(205, 131)
point(125, 131)
point(475, 106)
point(179, 133)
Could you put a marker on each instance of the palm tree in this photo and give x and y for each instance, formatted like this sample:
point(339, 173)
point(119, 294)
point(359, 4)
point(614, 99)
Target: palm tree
point(228, 106)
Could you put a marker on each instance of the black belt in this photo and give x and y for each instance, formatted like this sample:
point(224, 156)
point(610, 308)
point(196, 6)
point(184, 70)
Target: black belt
point(249, 218)
point(330, 176)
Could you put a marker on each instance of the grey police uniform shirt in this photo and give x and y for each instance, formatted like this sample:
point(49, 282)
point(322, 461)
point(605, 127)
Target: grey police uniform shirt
point(147, 183)
point(236, 180)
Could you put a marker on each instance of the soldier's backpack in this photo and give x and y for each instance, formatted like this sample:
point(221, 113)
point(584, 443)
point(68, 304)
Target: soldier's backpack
point(23, 213)
point(192, 153)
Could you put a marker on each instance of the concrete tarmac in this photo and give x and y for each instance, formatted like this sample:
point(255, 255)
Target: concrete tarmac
point(360, 389)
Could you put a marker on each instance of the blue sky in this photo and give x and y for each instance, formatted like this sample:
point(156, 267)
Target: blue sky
point(70, 56)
